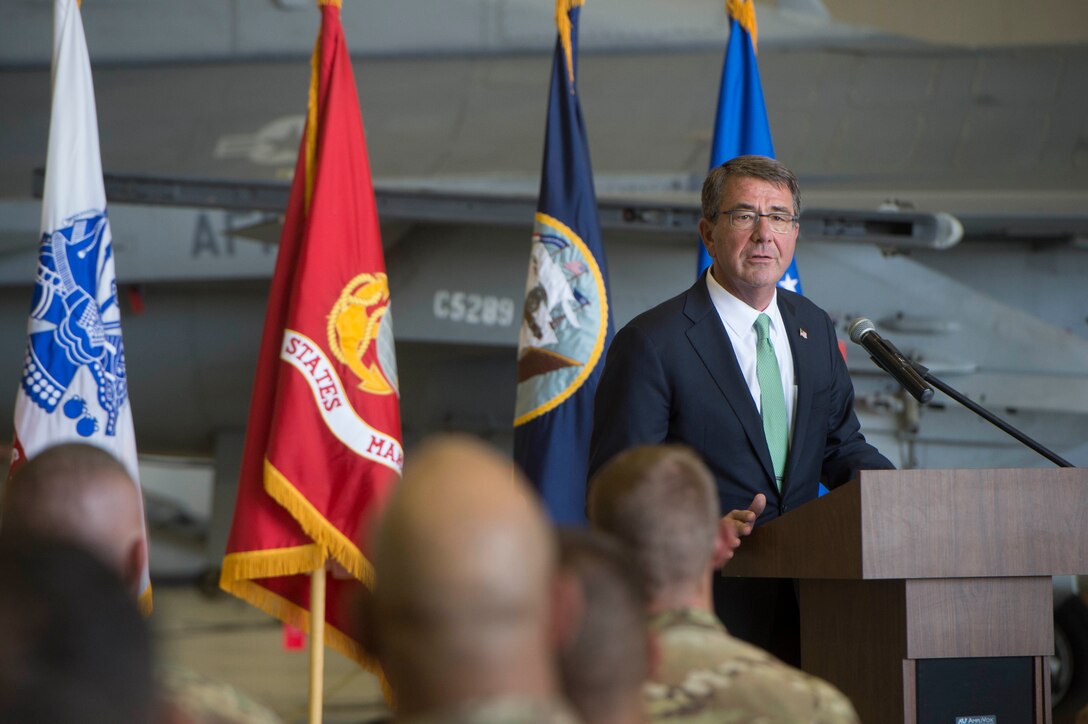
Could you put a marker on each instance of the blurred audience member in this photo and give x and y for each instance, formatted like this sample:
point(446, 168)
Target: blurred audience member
point(190, 698)
point(660, 500)
point(81, 494)
point(73, 647)
point(606, 662)
point(468, 609)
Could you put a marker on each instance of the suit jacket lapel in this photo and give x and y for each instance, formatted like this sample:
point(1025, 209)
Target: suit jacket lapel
point(711, 343)
point(800, 352)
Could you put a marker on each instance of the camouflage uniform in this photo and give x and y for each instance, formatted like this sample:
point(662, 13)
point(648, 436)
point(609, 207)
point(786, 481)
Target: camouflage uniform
point(196, 698)
point(706, 675)
point(503, 710)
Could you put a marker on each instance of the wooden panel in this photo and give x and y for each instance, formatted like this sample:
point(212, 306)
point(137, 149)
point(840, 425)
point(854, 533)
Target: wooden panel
point(910, 692)
point(821, 539)
point(853, 634)
point(1042, 689)
point(950, 618)
point(892, 524)
point(969, 523)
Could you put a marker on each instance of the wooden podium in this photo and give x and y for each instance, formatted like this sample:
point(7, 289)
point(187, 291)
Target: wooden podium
point(905, 571)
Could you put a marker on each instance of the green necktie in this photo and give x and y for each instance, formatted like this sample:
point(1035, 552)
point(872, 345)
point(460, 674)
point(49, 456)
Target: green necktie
point(772, 403)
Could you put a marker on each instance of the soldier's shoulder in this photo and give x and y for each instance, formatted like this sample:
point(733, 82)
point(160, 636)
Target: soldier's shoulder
point(505, 710)
point(710, 676)
point(735, 692)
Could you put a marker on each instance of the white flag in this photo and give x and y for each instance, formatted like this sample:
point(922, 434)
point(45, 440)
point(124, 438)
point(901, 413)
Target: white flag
point(74, 387)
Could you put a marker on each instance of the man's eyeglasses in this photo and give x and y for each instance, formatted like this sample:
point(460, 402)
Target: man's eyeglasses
point(746, 219)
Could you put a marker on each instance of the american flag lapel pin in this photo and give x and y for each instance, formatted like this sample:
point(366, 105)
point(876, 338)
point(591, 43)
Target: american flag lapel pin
point(804, 334)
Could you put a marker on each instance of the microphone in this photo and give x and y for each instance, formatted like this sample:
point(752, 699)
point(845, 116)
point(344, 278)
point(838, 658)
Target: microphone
point(889, 359)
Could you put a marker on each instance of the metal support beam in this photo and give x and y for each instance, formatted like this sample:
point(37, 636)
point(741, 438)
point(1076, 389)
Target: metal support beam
point(889, 229)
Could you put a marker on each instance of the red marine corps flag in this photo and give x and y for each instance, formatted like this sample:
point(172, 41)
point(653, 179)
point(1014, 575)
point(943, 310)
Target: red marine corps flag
point(323, 439)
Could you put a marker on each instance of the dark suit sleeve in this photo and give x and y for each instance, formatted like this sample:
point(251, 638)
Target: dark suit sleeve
point(846, 451)
point(633, 398)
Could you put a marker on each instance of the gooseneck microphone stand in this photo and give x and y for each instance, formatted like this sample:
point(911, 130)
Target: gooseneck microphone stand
point(990, 417)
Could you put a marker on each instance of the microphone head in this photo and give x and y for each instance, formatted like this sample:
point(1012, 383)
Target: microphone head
point(859, 328)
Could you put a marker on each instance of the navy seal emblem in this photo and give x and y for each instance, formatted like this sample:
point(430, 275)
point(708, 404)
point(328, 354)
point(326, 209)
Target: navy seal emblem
point(76, 326)
point(565, 319)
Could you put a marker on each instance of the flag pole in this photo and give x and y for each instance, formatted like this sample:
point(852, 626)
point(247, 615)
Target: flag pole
point(317, 643)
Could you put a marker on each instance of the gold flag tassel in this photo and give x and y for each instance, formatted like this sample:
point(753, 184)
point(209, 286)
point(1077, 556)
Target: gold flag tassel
point(562, 24)
point(745, 13)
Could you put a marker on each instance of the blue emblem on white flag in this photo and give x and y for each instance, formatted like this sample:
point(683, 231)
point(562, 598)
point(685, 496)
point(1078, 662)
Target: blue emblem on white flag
point(75, 324)
point(74, 386)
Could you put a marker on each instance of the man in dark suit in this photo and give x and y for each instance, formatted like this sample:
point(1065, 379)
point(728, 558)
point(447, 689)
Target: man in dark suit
point(747, 374)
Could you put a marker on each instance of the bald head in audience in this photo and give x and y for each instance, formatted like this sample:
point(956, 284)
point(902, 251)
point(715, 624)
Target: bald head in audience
point(80, 494)
point(467, 603)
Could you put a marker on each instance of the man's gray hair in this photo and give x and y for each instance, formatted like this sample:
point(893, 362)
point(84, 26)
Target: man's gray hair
point(758, 167)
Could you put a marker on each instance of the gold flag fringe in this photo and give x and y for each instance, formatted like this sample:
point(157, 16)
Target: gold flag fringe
point(144, 603)
point(311, 120)
point(240, 568)
point(324, 533)
point(745, 13)
point(563, 25)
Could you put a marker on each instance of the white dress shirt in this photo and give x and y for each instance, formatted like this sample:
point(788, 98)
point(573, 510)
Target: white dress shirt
point(739, 320)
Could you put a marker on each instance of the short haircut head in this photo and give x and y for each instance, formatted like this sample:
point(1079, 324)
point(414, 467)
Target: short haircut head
point(81, 494)
point(68, 460)
point(763, 168)
point(44, 491)
point(454, 524)
point(659, 500)
point(75, 648)
point(608, 658)
point(464, 563)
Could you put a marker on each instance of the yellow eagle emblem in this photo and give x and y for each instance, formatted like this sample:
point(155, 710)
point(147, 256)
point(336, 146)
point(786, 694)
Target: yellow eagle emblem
point(354, 325)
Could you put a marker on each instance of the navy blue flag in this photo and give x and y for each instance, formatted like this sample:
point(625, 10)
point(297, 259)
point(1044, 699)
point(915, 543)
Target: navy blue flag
point(741, 126)
point(567, 322)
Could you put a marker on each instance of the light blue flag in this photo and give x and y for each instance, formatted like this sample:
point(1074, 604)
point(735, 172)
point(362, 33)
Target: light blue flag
point(741, 126)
